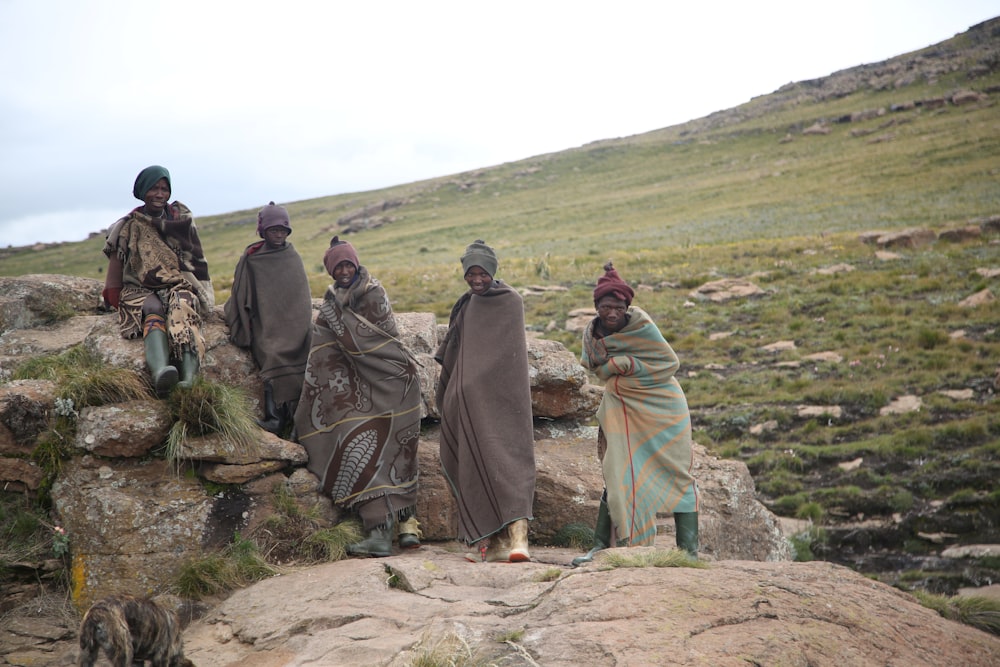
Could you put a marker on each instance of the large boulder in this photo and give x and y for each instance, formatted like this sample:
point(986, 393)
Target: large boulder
point(34, 300)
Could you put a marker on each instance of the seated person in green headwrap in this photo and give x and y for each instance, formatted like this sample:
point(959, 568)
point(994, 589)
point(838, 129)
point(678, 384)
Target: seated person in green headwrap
point(158, 281)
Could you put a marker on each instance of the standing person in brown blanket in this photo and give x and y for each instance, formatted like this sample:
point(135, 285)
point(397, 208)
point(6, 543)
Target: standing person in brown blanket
point(359, 414)
point(158, 281)
point(270, 311)
point(484, 398)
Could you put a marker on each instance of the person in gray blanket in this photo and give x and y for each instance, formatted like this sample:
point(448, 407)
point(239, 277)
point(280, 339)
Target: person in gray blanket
point(269, 311)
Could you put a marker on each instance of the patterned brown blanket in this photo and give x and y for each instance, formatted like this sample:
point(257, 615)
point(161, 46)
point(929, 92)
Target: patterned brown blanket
point(359, 414)
point(163, 256)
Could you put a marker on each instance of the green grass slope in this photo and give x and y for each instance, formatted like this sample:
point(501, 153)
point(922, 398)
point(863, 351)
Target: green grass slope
point(751, 193)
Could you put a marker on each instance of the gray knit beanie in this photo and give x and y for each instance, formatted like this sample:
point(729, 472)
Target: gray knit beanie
point(481, 255)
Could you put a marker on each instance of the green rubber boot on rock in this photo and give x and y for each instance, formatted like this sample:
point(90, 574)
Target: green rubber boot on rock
point(602, 534)
point(378, 543)
point(686, 525)
point(189, 367)
point(157, 358)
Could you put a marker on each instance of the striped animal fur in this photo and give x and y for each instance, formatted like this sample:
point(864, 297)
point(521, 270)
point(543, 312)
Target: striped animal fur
point(131, 630)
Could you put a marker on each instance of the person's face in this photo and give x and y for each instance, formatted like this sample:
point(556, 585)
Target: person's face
point(275, 236)
point(611, 310)
point(478, 280)
point(343, 273)
point(157, 197)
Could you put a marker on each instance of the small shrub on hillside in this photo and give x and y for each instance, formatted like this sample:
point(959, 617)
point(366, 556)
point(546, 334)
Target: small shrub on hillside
point(776, 483)
point(928, 339)
point(803, 543)
point(789, 505)
point(902, 501)
point(812, 511)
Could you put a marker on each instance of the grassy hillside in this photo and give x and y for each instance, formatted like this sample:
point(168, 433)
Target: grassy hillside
point(747, 193)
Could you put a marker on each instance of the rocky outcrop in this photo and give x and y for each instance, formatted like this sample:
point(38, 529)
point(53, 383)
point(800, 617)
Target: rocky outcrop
point(134, 518)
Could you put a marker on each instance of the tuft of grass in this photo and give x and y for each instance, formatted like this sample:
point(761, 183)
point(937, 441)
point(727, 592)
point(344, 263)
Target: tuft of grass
point(449, 651)
point(803, 543)
point(574, 536)
point(53, 446)
point(654, 558)
point(977, 611)
point(551, 574)
point(210, 408)
point(293, 534)
point(83, 378)
point(24, 536)
point(238, 565)
point(512, 636)
point(330, 544)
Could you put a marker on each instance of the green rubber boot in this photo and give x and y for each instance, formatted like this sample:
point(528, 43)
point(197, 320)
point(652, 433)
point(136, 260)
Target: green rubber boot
point(686, 525)
point(189, 367)
point(377, 544)
point(157, 358)
point(602, 533)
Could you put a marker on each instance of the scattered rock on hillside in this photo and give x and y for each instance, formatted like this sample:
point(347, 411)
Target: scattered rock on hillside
point(980, 298)
point(719, 291)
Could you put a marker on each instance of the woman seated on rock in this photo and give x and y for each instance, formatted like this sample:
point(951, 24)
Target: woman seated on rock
point(644, 439)
point(158, 281)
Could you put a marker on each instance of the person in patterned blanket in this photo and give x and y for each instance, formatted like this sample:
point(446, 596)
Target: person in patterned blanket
point(359, 413)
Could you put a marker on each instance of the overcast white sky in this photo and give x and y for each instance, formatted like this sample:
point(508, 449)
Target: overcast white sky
point(250, 101)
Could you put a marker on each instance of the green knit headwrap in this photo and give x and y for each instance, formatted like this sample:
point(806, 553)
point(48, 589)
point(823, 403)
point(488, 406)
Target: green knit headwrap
point(147, 178)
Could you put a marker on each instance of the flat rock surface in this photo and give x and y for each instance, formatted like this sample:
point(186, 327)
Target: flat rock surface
point(398, 610)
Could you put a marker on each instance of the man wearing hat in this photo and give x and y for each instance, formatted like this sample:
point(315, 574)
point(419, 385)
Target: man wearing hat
point(484, 398)
point(644, 439)
point(270, 311)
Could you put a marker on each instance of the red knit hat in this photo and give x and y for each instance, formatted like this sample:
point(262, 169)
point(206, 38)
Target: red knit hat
point(337, 253)
point(612, 283)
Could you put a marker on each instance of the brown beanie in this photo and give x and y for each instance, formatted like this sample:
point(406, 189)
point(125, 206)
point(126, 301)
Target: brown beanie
point(272, 215)
point(612, 283)
point(480, 254)
point(338, 252)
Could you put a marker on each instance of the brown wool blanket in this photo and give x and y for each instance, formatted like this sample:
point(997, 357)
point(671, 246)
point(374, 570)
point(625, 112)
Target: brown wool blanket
point(484, 397)
point(270, 311)
point(359, 413)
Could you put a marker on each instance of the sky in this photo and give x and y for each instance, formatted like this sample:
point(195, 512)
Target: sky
point(247, 102)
